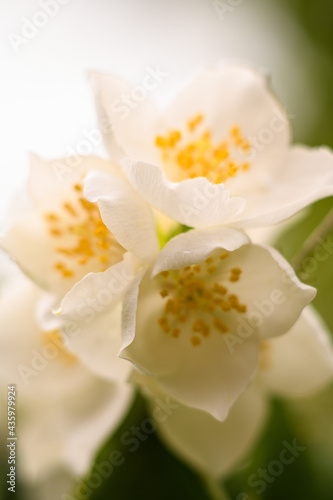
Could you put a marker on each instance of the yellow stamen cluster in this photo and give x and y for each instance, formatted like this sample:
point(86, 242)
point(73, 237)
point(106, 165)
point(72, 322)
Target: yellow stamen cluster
point(55, 341)
point(195, 153)
point(81, 236)
point(191, 295)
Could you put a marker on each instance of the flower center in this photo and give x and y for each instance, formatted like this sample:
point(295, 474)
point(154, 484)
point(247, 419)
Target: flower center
point(54, 340)
point(81, 236)
point(193, 153)
point(192, 296)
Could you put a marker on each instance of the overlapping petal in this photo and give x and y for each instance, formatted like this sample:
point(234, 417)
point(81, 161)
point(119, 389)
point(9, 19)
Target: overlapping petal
point(127, 215)
point(90, 316)
point(210, 446)
point(301, 361)
point(79, 409)
point(193, 202)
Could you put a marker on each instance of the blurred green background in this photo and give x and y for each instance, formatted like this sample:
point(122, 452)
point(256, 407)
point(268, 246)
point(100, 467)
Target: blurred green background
point(152, 473)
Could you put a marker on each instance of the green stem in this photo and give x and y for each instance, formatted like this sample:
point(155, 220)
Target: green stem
point(214, 489)
point(312, 241)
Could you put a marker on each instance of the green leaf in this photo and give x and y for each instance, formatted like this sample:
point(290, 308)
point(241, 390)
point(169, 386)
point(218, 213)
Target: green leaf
point(145, 470)
point(316, 268)
point(267, 477)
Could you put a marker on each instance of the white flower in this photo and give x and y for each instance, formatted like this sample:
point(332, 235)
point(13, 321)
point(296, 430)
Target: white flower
point(194, 321)
point(220, 153)
point(293, 365)
point(63, 412)
point(63, 238)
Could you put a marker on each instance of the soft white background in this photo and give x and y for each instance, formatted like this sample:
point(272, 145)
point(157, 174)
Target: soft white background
point(45, 99)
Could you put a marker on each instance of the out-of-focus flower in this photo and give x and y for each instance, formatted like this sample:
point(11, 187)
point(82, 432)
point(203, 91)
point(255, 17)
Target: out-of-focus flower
point(64, 412)
point(220, 153)
point(295, 364)
point(194, 321)
point(63, 238)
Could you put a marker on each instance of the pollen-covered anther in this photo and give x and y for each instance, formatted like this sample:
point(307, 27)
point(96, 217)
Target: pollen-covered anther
point(220, 326)
point(235, 274)
point(235, 304)
point(173, 307)
point(164, 274)
point(211, 269)
point(164, 324)
point(55, 232)
point(195, 340)
point(65, 271)
point(164, 293)
point(175, 332)
point(69, 207)
point(51, 217)
point(194, 122)
point(200, 326)
point(220, 289)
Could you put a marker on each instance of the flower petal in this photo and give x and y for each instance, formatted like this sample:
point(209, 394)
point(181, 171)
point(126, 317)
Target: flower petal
point(194, 202)
point(53, 180)
point(129, 124)
point(195, 246)
point(300, 177)
point(80, 409)
point(270, 289)
point(301, 361)
point(125, 213)
point(91, 319)
point(210, 446)
point(228, 95)
point(30, 246)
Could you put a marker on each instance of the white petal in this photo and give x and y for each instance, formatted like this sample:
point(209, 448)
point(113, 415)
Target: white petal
point(229, 95)
point(301, 361)
point(79, 409)
point(130, 124)
point(270, 289)
point(91, 319)
point(103, 414)
point(69, 431)
point(298, 178)
point(125, 213)
point(30, 246)
point(97, 342)
point(195, 246)
point(44, 312)
point(52, 180)
point(194, 202)
point(206, 444)
point(51, 486)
